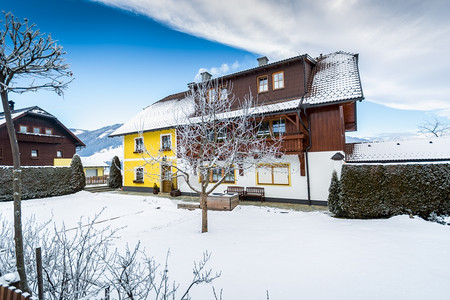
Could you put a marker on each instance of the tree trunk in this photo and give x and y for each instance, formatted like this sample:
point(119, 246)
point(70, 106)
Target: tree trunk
point(18, 238)
point(203, 205)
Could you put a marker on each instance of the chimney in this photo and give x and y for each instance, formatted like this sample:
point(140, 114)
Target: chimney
point(205, 76)
point(263, 61)
point(191, 86)
point(11, 104)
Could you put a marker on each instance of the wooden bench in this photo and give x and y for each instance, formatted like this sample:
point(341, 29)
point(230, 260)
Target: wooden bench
point(255, 192)
point(236, 189)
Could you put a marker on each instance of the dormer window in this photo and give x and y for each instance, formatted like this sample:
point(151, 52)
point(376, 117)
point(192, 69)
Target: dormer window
point(263, 84)
point(278, 80)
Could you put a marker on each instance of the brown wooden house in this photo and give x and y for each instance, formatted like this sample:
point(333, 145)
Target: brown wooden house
point(310, 101)
point(41, 137)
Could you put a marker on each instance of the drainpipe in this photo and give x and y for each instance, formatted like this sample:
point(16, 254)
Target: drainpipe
point(308, 129)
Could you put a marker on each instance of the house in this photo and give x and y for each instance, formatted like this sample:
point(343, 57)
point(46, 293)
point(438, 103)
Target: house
point(311, 102)
point(41, 137)
point(430, 150)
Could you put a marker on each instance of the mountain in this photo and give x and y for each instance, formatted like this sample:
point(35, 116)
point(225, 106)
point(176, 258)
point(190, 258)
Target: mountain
point(97, 141)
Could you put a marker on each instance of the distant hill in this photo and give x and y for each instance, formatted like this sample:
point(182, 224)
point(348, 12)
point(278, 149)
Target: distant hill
point(98, 141)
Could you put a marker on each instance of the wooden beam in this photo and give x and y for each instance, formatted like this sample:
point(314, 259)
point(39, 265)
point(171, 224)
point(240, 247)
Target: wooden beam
point(301, 158)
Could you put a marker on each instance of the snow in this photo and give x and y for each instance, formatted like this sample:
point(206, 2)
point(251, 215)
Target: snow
point(292, 254)
point(400, 150)
point(102, 158)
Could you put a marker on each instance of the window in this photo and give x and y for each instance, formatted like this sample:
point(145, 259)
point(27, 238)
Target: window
point(273, 174)
point(59, 153)
point(138, 145)
point(23, 128)
point(48, 131)
point(279, 126)
point(264, 129)
point(1, 153)
point(166, 144)
point(223, 93)
point(275, 127)
point(263, 84)
point(34, 153)
point(36, 130)
point(217, 173)
point(139, 175)
point(278, 80)
point(216, 135)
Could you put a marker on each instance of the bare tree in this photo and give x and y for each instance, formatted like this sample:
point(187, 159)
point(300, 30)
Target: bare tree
point(29, 61)
point(220, 135)
point(434, 127)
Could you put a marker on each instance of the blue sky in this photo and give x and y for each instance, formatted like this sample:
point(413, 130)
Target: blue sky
point(127, 54)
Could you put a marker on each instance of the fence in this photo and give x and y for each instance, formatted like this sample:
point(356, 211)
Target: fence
point(12, 293)
point(97, 179)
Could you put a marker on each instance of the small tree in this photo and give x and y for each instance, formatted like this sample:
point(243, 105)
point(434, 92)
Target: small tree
point(29, 61)
point(217, 133)
point(115, 175)
point(334, 196)
point(434, 128)
point(77, 176)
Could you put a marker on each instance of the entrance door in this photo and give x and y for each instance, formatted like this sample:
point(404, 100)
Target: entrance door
point(166, 178)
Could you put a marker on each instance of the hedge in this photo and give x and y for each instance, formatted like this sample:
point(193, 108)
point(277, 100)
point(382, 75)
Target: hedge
point(40, 182)
point(379, 191)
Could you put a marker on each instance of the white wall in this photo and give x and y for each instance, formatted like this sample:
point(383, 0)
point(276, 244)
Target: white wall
point(321, 168)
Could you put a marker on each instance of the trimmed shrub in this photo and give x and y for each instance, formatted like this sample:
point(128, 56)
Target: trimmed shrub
point(37, 182)
point(379, 191)
point(115, 176)
point(77, 177)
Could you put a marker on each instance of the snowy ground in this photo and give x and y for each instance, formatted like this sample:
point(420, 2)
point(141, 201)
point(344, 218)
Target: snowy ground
point(293, 255)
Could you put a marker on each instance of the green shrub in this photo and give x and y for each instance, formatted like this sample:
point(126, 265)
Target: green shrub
point(77, 177)
point(115, 176)
point(378, 191)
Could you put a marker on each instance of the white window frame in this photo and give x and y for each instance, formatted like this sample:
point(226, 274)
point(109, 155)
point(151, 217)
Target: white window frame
point(59, 153)
point(34, 153)
point(139, 149)
point(136, 170)
point(23, 129)
point(170, 142)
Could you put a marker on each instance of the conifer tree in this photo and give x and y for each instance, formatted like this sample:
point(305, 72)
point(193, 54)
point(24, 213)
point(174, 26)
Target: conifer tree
point(77, 177)
point(115, 175)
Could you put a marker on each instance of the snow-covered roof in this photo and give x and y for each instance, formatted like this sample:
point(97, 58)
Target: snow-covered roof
point(92, 162)
point(335, 78)
point(162, 114)
point(435, 149)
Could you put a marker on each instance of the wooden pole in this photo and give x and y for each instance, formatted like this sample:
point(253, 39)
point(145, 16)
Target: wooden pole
point(39, 273)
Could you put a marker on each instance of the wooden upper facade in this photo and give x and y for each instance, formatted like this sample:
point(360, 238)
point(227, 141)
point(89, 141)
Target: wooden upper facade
point(41, 138)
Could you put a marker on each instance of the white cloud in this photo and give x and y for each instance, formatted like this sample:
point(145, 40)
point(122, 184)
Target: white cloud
point(402, 44)
point(218, 71)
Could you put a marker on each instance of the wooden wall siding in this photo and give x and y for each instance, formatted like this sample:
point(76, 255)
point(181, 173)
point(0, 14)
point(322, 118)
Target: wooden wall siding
point(46, 145)
point(350, 116)
point(293, 83)
point(327, 128)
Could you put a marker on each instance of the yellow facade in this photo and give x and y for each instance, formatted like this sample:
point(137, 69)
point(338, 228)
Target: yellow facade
point(149, 159)
point(62, 162)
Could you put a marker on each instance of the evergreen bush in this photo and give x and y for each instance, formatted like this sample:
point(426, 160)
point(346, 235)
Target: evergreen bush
point(334, 201)
point(115, 175)
point(379, 191)
point(77, 178)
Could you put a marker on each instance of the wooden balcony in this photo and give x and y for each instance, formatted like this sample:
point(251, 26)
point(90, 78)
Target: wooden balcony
point(292, 143)
point(39, 138)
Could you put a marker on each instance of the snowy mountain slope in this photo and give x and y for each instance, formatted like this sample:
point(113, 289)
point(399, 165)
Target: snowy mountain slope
point(97, 140)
